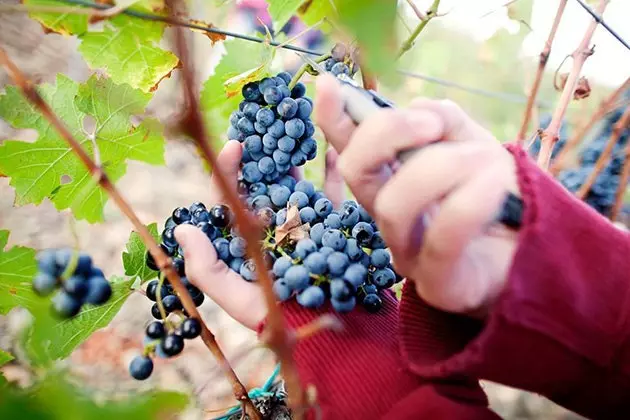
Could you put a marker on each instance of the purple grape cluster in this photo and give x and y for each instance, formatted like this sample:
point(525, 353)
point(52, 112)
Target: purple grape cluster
point(78, 280)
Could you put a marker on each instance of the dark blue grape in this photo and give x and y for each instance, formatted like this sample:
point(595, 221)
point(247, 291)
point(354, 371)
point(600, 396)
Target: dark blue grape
point(304, 109)
point(363, 232)
point(44, 284)
point(260, 129)
point(332, 221)
point(335, 239)
point(380, 258)
point(323, 207)
point(47, 262)
point(65, 306)
point(286, 144)
point(309, 128)
point(306, 187)
point(349, 216)
point(281, 290)
point(179, 266)
point(281, 217)
point(151, 290)
point(311, 297)
point(355, 274)
point(251, 173)
point(344, 306)
point(281, 158)
point(235, 264)
point(353, 250)
point(304, 247)
point(329, 63)
point(364, 215)
point(288, 181)
point(349, 203)
point(377, 241)
point(155, 330)
point(256, 189)
point(316, 263)
point(248, 271)
point(266, 83)
point(273, 95)
point(298, 90)
point(299, 199)
point(372, 303)
point(234, 133)
point(284, 90)
point(251, 92)
point(141, 367)
point(245, 126)
point(316, 232)
point(99, 290)
point(369, 289)
point(307, 215)
point(222, 247)
point(171, 303)
point(237, 247)
point(276, 129)
point(266, 216)
point(279, 195)
point(341, 290)
point(253, 144)
point(245, 157)
point(220, 216)
point(181, 215)
point(210, 231)
point(172, 345)
point(294, 128)
point(340, 68)
point(266, 165)
point(297, 277)
point(325, 251)
point(298, 158)
point(190, 328)
point(383, 278)
point(234, 117)
point(265, 117)
point(261, 202)
point(283, 168)
point(256, 156)
point(250, 109)
point(269, 141)
point(287, 108)
point(281, 265)
point(337, 263)
point(286, 76)
point(308, 146)
point(76, 286)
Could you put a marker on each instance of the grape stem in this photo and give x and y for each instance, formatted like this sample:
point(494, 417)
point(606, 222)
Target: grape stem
point(542, 63)
point(304, 67)
point(158, 297)
point(549, 137)
point(429, 15)
point(162, 260)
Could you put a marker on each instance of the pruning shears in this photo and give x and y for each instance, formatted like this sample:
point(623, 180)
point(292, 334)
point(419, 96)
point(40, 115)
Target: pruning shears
point(360, 104)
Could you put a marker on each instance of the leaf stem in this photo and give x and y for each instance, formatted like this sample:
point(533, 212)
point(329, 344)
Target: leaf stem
point(430, 14)
point(303, 68)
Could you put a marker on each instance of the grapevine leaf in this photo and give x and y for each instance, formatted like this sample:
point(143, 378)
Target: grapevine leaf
point(48, 168)
point(282, 10)
point(52, 339)
point(17, 269)
point(128, 50)
point(54, 398)
point(67, 23)
point(135, 257)
point(313, 11)
point(5, 357)
point(239, 57)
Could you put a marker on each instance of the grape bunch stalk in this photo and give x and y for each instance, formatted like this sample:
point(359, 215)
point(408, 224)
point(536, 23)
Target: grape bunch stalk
point(76, 279)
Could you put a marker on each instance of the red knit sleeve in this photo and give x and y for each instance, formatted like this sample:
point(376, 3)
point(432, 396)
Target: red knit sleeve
point(561, 326)
point(359, 373)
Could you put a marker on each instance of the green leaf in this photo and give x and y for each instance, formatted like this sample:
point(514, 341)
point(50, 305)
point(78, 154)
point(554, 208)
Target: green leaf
point(38, 169)
point(52, 339)
point(5, 357)
point(64, 23)
point(128, 49)
point(313, 11)
point(56, 399)
point(135, 257)
point(17, 269)
point(282, 10)
point(218, 100)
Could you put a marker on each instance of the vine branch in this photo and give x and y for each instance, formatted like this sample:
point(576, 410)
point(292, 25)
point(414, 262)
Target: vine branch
point(193, 123)
point(542, 63)
point(430, 14)
point(161, 259)
point(607, 104)
point(601, 163)
point(550, 136)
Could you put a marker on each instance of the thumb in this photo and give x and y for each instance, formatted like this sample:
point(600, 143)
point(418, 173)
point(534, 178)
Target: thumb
point(242, 300)
point(228, 163)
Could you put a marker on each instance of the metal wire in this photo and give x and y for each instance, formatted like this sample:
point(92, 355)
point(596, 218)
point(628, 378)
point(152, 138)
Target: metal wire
point(600, 20)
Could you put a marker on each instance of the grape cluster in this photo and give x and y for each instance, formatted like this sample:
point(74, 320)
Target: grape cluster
point(602, 194)
point(78, 280)
point(274, 125)
point(342, 61)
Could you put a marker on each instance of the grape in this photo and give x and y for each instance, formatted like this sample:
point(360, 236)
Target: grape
point(273, 95)
point(343, 306)
point(269, 141)
point(47, 262)
point(279, 195)
point(266, 216)
point(369, 289)
point(337, 263)
point(99, 290)
point(305, 187)
point(286, 76)
point(294, 128)
point(251, 92)
point(266, 83)
point(380, 258)
point(298, 198)
point(234, 117)
point(286, 144)
point(172, 345)
point(307, 215)
point(233, 133)
point(65, 305)
point(200, 216)
point(287, 108)
point(220, 216)
point(44, 284)
point(332, 221)
point(316, 232)
point(248, 270)
point(155, 311)
point(288, 181)
point(355, 274)
point(197, 296)
point(340, 68)
point(311, 297)
point(341, 290)
point(372, 303)
point(297, 277)
point(261, 202)
point(211, 232)
point(334, 238)
point(316, 263)
point(266, 165)
point(245, 157)
point(155, 330)
point(235, 264)
point(190, 328)
point(265, 117)
point(250, 110)
point(309, 128)
point(237, 247)
point(326, 251)
point(363, 232)
point(178, 264)
point(377, 241)
point(245, 126)
point(308, 146)
point(304, 247)
point(280, 157)
point(298, 90)
point(304, 109)
point(281, 290)
point(76, 286)
point(141, 367)
point(256, 189)
point(253, 144)
point(349, 216)
point(281, 265)
point(298, 158)
point(276, 129)
point(383, 278)
point(323, 207)
point(222, 246)
point(260, 129)
point(171, 303)
point(284, 90)
point(364, 216)
point(353, 250)
point(152, 290)
point(181, 215)
point(281, 217)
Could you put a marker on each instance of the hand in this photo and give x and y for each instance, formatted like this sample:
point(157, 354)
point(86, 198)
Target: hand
point(458, 265)
point(242, 300)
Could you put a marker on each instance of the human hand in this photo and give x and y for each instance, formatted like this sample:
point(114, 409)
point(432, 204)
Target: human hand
point(456, 262)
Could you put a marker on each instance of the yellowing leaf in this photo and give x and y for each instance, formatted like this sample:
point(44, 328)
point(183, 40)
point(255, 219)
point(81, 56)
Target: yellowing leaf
point(38, 169)
point(64, 23)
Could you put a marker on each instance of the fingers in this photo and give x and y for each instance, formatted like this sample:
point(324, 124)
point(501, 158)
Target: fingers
point(242, 300)
point(364, 163)
point(228, 162)
point(329, 113)
point(423, 180)
point(334, 186)
point(463, 216)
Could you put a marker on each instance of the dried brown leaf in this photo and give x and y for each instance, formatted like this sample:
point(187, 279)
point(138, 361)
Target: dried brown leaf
point(582, 90)
point(293, 229)
point(214, 37)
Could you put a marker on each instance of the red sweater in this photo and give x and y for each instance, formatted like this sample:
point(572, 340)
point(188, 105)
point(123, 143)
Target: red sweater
point(561, 329)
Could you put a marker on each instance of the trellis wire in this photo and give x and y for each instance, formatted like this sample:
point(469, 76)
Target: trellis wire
point(600, 20)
